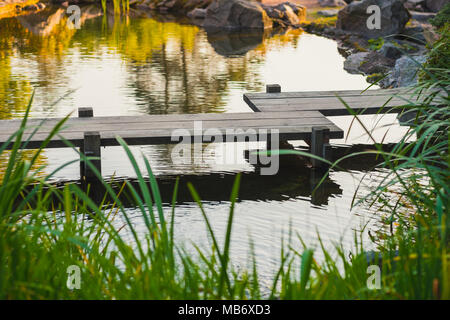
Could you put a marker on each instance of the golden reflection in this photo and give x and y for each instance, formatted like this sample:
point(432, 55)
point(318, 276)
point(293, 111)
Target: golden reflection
point(165, 67)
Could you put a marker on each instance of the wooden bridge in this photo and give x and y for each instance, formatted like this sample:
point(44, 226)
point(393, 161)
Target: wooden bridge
point(296, 116)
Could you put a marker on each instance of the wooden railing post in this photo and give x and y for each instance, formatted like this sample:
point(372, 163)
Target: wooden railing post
point(273, 88)
point(85, 112)
point(320, 146)
point(92, 148)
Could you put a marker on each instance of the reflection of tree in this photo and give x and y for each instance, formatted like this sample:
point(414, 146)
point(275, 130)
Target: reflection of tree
point(171, 67)
point(26, 155)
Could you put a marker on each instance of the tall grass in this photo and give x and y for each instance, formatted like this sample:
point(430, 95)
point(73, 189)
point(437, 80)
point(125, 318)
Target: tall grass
point(44, 230)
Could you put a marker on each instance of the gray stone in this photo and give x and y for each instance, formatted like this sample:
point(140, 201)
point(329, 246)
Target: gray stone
point(235, 15)
point(436, 5)
point(405, 72)
point(197, 13)
point(286, 14)
point(414, 33)
point(354, 62)
point(332, 3)
point(328, 13)
point(353, 18)
point(376, 63)
point(390, 50)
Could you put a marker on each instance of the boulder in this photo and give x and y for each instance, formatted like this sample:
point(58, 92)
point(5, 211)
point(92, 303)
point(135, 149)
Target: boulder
point(332, 3)
point(436, 5)
point(197, 13)
point(354, 62)
point(405, 72)
point(169, 5)
point(196, 4)
point(414, 33)
point(353, 18)
point(376, 63)
point(368, 63)
point(390, 50)
point(417, 5)
point(235, 15)
point(286, 14)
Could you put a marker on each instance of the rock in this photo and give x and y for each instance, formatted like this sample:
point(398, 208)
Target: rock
point(422, 16)
point(286, 13)
point(436, 5)
point(414, 33)
point(196, 4)
point(405, 72)
point(169, 5)
point(34, 7)
point(332, 3)
point(197, 13)
point(235, 15)
point(368, 63)
point(354, 62)
point(390, 50)
point(353, 18)
point(376, 63)
point(328, 13)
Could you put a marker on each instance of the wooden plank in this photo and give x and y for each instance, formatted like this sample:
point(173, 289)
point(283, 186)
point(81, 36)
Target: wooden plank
point(160, 128)
point(330, 107)
point(71, 126)
point(6, 125)
point(256, 123)
point(323, 94)
point(152, 136)
point(334, 101)
point(369, 102)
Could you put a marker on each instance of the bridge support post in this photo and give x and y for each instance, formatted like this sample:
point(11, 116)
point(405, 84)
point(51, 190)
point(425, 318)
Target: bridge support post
point(320, 147)
point(283, 144)
point(85, 112)
point(91, 148)
point(273, 88)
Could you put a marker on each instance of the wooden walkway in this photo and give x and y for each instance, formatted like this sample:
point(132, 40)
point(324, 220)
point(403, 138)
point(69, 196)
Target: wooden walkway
point(296, 116)
point(327, 102)
point(158, 129)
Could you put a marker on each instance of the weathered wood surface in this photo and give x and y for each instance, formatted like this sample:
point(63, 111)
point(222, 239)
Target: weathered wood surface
point(328, 103)
point(158, 129)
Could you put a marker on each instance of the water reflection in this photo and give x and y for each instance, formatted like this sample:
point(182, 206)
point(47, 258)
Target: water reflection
point(145, 65)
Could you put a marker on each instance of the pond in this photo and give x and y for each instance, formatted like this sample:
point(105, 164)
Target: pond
point(143, 65)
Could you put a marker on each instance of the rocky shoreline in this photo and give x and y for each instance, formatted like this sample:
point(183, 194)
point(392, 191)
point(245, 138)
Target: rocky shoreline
point(389, 56)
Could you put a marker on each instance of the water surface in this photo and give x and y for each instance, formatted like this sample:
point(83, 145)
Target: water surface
point(141, 65)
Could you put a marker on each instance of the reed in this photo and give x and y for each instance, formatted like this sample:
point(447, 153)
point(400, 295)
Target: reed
point(45, 229)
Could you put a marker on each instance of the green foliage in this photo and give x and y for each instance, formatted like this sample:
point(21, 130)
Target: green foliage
point(439, 56)
point(376, 44)
point(46, 229)
point(442, 18)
